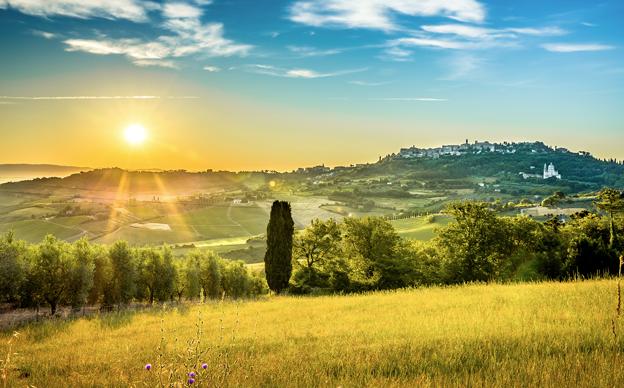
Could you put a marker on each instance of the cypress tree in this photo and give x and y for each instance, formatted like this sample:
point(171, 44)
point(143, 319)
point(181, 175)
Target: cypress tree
point(278, 256)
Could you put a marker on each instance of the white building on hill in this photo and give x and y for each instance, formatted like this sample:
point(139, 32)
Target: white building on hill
point(549, 172)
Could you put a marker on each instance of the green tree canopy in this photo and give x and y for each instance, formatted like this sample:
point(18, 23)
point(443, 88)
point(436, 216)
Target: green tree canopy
point(278, 257)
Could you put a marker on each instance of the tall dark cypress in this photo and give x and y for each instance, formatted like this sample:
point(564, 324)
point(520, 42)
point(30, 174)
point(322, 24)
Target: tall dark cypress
point(278, 256)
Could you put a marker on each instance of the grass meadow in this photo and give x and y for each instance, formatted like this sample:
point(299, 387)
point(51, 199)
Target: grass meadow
point(541, 334)
point(420, 228)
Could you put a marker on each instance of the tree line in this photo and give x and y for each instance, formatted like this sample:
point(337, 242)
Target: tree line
point(56, 273)
point(359, 254)
point(353, 255)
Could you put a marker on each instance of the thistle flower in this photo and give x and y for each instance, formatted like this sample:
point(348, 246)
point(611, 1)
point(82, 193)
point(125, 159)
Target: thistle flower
point(191, 381)
point(148, 366)
point(191, 374)
point(204, 366)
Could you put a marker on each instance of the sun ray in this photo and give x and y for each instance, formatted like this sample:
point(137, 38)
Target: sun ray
point(119, 194)
point(171, 205)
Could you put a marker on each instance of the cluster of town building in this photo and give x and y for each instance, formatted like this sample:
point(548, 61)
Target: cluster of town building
point(477, 148)
point(452, 150)
point(480, 147)
point(461, 149)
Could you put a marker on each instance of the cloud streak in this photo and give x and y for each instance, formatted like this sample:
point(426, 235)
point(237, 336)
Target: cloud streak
point(379, 14)
point(575, 47)
point(8, 99)
point(44, 34)
point(296, 73)
point(134, 10)
point(306, 51)
point(476, 32)
point(367, 83)
point(409, 99)
point(455, 36)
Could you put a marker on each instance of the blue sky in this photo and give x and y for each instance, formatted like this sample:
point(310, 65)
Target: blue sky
point(366, 76)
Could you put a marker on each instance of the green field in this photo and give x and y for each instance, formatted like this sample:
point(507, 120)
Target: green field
point(28, 212)
point(137, 236)
point(72, 221)
point(10, 199)
point(544, 334)
point(35, 230)
point(420, 228)
point(218, 221)
point(213, 223)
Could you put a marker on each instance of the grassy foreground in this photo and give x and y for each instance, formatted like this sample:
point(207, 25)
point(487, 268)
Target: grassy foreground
point(547, 334)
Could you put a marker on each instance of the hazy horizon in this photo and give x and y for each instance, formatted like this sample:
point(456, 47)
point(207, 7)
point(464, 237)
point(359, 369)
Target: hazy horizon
point(269, 168)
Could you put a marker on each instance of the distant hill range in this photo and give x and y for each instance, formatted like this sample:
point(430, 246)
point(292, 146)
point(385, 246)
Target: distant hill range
point(174, 182)
point(21, 172)
point(512, 168)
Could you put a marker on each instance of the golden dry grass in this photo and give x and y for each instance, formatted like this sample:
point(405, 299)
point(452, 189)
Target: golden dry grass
point(546, 334)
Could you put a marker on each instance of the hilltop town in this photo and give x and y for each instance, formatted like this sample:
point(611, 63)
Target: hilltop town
point(480, 147)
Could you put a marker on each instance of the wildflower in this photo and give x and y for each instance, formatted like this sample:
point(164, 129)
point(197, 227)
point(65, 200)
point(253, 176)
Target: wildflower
point(191, 381)
point(148, 366)
point(204, 366)
point(191, 374)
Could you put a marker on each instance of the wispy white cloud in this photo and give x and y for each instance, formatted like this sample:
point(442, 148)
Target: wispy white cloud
point(296, 73)
point(476, 32)
point(576, 47)
point(409, 99)
point(61, 98)
point(462, 65)
point(134, 10)
point(538, 31)
point(180, 10)
point(432, 42)
point(190, 36)
point(183, 19)
point(212, 69)
point(463, 30)
point(156, 62)
point(44, 34)
point(379, 14)
point(396, 53)
point(133, 48)
point(463, 37)
point(367, 83)
point(194, 37)
point(306, 51)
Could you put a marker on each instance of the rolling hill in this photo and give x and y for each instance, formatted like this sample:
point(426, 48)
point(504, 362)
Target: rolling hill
point(21, 172)
point(222, 210)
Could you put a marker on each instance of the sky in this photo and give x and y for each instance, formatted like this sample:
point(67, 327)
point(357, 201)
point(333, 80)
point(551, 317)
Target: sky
point(280, 84)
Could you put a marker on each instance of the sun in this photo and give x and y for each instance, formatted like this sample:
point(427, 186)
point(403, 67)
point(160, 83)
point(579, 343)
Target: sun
point(135, 134)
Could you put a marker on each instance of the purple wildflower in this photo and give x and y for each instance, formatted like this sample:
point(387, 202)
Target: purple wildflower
point(191, 381)
point(204, 366)
point(148, 366)
point(191, 374)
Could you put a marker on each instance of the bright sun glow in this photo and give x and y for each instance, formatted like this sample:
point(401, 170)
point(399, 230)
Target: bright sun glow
point(135, 134)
